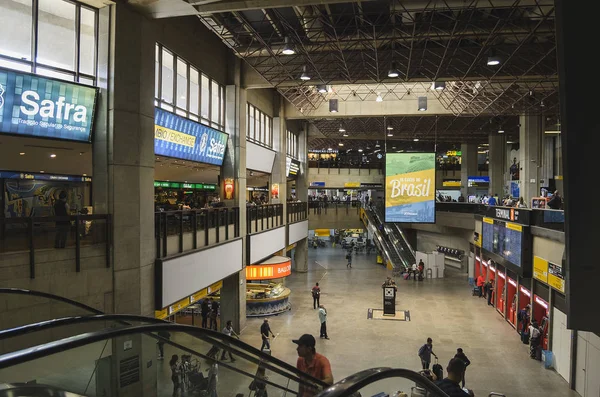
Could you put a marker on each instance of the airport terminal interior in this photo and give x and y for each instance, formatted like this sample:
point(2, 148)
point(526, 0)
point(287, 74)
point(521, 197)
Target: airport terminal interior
point(333, 198)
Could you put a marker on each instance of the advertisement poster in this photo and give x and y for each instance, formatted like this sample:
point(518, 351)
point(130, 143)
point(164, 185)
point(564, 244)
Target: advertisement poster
point(540, 269)
point(410, 187)
point(275, 190)
point(229, 188)
point(515, 189)
point(555, 277)
point(180, 138)
point(42, 107)
point(29, 198)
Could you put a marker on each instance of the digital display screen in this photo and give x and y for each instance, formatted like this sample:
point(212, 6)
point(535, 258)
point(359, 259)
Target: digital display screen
point(42, 107)
point(504, 239)
point(410, 187)
point(180, 138)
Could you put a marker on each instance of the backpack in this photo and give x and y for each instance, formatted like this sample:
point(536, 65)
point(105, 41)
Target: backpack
point(422, 350)
point(520, 315)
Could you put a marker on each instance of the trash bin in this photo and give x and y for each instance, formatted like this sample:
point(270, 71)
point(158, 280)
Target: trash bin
point(547, 358)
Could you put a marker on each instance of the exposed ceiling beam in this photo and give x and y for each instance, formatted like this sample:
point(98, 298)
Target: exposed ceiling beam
point(244, 5)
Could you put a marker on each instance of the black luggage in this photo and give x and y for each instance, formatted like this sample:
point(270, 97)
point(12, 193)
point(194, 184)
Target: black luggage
point(476, 291)
point(438, 370)
point(525, 338)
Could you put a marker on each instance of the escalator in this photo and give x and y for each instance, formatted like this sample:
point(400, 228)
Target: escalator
point(385, 245)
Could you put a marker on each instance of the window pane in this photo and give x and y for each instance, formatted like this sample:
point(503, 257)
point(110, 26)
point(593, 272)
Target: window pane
point(181, 112)
point(15, 29)
point(86, 81)
point(194, 91)
point(251, 123)
point(182, 84)
point(167, 76)
point(223, 106)
point(215, 101)
point(56, 75)
point(205, 97)
point(87, 44)
point(56, 34)
point(156, 70)
point(166, 107)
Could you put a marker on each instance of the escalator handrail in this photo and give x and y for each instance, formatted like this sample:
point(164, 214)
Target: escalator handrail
point(49, 348)
point(387, 250)
point(59, 322)
point(354, 383)
point(47, 295)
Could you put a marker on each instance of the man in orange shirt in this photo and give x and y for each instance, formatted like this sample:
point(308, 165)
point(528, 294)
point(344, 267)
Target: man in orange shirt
point(312, 363)
point(480, 283)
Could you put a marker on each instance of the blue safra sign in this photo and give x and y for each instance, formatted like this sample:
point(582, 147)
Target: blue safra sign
point(180, 138)
point(42, 107)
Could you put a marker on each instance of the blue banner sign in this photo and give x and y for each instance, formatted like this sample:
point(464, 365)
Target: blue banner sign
point(317, 184)
point(43, 177)
point(42, 107)
point(180, 138)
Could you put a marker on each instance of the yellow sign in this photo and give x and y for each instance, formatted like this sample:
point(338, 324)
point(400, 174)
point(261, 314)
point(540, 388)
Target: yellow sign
point(291, 247)
point(168, 135)
point(477, 239)
point(322, 232)
point(352, 184)
point(182, 304)
point(514, 226)
point(555, 277)
point(540, 269)
point(161, 314)
point(451, 183)
point(488, 220)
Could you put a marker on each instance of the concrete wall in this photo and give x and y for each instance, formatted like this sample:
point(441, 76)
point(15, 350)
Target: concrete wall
point(335, 178)
point(548, 249)
point(430, 237)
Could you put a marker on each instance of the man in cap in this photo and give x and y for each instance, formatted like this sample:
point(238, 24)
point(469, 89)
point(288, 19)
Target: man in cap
point(312, 363)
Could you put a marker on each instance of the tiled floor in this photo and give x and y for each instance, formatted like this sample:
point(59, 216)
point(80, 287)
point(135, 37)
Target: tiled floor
point(442, 309)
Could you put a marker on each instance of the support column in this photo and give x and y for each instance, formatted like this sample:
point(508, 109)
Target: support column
point(468, 167)
point(580, 128)
point(301, 251)
point(278, 174)
point(529, 152)
point(233, 293)
point(497, 167)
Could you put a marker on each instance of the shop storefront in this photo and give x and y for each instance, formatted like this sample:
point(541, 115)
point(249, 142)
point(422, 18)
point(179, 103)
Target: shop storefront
point(173, 195)
point(266, 294)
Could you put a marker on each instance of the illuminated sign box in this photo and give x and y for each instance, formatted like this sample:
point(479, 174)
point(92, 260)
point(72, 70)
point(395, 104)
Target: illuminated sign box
point(451, 183)
point(269, 271)
point(180, 138)
point(42, 107)
point(178, 185)
point(410, 187)
point(43, 177)
point(478, 181)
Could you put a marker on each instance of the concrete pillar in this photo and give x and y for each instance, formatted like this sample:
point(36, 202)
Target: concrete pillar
point(123, 154)
point(278, 175)
point(301, 251)
point(233, 293)
point(301, 256)
point(468, 168)
point(497, 166)
point(530, 134)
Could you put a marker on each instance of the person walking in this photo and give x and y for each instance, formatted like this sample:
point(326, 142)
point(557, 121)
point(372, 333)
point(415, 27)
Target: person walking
point(425, 353)
point(312, 363)
point(462, 356)
point(316, 294)
point(349, 256)
point(161, 344)
point(61, 208)
point(175, 374)
point(451, 384)
point(490, 292)
point(228, 330)
point(265, 330)
point(214, 313)
point(323, 319)
point(204, 312)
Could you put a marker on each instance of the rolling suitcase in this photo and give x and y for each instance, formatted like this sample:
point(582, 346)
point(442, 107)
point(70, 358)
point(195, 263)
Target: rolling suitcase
point(438, 370)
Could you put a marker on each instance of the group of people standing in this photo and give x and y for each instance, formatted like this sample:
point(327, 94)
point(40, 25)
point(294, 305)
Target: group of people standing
point(209, 310)
point(454, 383)
point(485, 289)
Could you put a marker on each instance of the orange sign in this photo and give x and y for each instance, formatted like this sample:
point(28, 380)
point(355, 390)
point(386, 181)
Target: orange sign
point(267, 272)
point(229, 188)
point(275, 190)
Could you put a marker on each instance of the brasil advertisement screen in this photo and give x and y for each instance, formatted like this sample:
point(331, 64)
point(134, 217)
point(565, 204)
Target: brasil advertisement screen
point(410, 187)
point(41, 107)
point(180, 138)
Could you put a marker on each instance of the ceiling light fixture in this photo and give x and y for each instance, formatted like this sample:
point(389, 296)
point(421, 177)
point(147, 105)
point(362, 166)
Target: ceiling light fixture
point(304, 76)
point(377, 144)
point(416, 139)
point(41, 172)
point(439, 85)
point(342, 129)
point(360, 150)
point(340, 144)
point(390, 127)
point(422, 102)
point(493, 59)
point(330, 149)
point(322, 88)
point(333, 105)
point(288, 48)
point(390, 134)
point(52, 155)
point(379, 98)
point(22, 154)
point(500, 131)
point(393, 72)
point(345, 134)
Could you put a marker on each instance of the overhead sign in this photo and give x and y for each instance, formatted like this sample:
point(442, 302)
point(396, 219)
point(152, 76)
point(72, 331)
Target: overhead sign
point(556, 279)
point(454, 153)
point(352, 184)
point(294, 168)
point(317, 184)
point(43, 177)
point(38, 106)
point(180, 138)
point(509, 214)
point(478, 181)
point(268, 272)
point(184, 185)
point(451, 183)
point(410, 187)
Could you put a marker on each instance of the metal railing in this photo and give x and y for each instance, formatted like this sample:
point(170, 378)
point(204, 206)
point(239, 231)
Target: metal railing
point(296, 212)
point(55, 232)
point(323, 207)
point(263, 217)
point(196, 223)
